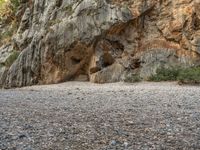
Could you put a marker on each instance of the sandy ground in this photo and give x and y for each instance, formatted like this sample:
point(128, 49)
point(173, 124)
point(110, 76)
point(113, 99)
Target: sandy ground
point(86, 116)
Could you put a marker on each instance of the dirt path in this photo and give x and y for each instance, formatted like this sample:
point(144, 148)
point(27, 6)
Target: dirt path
point(85, 116)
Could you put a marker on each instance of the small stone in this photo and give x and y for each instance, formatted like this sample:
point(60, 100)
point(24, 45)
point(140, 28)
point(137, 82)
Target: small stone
point(113, 142)
point(179, 119)
point(130, 122)
point(126, 144)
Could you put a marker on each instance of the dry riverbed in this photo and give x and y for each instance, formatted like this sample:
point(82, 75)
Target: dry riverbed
point(86, 116)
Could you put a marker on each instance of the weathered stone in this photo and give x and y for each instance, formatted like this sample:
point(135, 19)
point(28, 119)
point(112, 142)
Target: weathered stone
point(112, 73)
point(5, 52)
point(76, 39)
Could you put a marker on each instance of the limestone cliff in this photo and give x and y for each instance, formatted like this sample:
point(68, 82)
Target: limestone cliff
point(99, 40)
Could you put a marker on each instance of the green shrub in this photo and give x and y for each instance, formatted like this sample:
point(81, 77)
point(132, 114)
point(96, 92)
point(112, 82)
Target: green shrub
point(165, 74)
point(133, 78)
point(182, 75)
point(14, 4)
point(189, 76)
point(11, 59)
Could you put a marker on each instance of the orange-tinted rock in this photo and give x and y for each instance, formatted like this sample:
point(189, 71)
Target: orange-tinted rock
point(102, 40)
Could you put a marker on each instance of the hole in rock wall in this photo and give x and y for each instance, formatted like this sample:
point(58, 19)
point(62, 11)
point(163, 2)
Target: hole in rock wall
point(75, 60)
point(106, 53)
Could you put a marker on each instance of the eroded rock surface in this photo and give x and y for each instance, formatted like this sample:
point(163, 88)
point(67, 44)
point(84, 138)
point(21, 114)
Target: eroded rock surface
point(101, 41)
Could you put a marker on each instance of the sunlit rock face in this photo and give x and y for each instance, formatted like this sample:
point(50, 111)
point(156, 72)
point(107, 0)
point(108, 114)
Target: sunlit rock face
point(100, 40)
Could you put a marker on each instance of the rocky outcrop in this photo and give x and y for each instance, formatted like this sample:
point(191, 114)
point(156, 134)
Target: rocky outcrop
point(101, 41)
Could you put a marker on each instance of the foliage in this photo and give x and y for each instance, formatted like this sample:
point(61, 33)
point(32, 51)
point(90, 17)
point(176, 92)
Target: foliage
point(132, 78)
point(189, 76)
point(8, 9)
point(8, 21)
point(165, 74)
point(11, 59)
point(182, 75)
point(15, 4)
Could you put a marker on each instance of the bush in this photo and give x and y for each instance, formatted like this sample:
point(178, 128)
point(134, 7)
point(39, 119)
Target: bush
point(11, 59)
point(14, 4)
point(189, 76)
point(133, 78)
point(8, 9)
point(165, 74)
point(182, 75)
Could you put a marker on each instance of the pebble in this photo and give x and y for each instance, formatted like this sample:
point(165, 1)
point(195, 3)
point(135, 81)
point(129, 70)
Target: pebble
point(113, 142)
point(89, 116)
point(126, 144)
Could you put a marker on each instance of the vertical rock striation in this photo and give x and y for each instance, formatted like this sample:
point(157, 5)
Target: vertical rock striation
point(99, 40)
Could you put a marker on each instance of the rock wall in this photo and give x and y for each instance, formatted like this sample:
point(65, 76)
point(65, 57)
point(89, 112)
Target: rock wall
point(99, 40)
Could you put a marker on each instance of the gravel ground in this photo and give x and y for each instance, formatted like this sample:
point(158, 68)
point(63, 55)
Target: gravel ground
point(86, 116)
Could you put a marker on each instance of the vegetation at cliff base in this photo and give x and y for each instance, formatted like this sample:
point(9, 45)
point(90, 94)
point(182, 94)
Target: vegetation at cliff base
point(165, 74)
point(132, 78)
point(182, 75)
point(189, 76)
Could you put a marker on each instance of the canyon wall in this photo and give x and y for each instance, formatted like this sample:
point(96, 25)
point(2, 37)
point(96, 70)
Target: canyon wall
point(99, 40)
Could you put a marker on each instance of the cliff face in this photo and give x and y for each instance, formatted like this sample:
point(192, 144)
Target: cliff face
point(99, 40)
